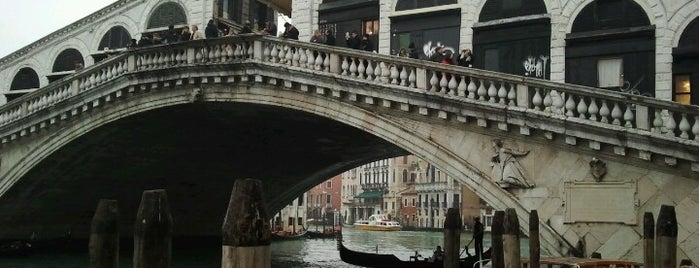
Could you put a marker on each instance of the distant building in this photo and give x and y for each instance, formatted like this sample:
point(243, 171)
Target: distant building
point(291, 218)
point(324, 202)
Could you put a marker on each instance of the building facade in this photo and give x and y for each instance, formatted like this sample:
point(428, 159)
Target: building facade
point(644, 47)
point(324, 202)
point(292, 218)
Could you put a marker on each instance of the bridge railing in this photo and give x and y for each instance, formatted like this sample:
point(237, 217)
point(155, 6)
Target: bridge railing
point(598, 107)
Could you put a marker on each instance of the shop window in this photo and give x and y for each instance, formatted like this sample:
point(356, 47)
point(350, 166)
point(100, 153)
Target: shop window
point(609, 72)
point(371, 27)
point(682, 89)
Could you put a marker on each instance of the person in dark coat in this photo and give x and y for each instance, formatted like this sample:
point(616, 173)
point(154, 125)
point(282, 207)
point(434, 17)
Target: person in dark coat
point(366, 44)
point(329, 38)
point(412, 52)
point(172, 35)
point(465, 58)
point(291, 32)
point(438, 54)
point(211, 30)
point(246, 28)
point(353, 40)
point(478, 236)
point(270, 28)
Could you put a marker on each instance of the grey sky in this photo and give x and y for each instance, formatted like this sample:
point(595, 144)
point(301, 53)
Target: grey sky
point(25, 21)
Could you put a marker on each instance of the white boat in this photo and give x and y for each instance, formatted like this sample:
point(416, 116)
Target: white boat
point(377, 222)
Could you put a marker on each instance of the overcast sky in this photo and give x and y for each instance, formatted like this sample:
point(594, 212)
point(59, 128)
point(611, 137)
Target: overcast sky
point(24, 21)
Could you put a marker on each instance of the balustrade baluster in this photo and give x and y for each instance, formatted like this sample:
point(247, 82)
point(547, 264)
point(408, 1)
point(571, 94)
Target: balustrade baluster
point(604, 112)
point(290, 54)
point(379, 72)
point(452, 85)
point(361, 70)
point(502, 94)
point(109, 73)
point(558, 103)
point(695, 128)
point(684, 127)
point(434, 82)
point(482, 91)
point(670, 125)
point(319, 62)
point(303, 60)
point(98, 79)
point(394, 74)
point(217, 53)
point(403, 76)
point(311, 60)
point(463, 86)
point(250, 52)
point(512, 95)
point(536, 100)
point(492, 92)
point(282, 54)
point(198, 56)
point(471, 88)
point(103, 74)
point(353, 67)
point(628, 116)
point(548, 101)
point(412, 78)
point(326, 63)
point(443, 83)
point(582, 108)
point(345, 66)
point(296, 58)
point(274, 53)
point(570, 105)
point(266, 52)
point(593, 109)
point(616, 114)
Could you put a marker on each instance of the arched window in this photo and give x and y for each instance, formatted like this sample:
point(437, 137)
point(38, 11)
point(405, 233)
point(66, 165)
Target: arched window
point(520, 45)
point(405, 175)
point(169, 13)
point(24, 81)
point(414, 4)
point(67, 60)
point(501, 9)
point(116, 37)
point(685, 66)
point(612, 46)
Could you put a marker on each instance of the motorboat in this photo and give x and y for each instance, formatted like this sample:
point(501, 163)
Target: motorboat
point(377, 222)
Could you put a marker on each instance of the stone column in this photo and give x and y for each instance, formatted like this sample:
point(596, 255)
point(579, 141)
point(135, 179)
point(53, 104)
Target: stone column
point(153, 232)
point(510, 239)
point(452, 238)
point(104, 235)
point(246, 231)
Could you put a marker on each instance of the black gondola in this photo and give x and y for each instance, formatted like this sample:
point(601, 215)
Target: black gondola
point(389, 260)
point(285, 236)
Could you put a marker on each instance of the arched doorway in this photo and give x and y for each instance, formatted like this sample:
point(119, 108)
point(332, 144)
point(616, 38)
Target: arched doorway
point(426, 30)
point(66, 63)
point(25, 81)
point(513, 37)
point(685, 66)
point(612, 46)
point(116, 38)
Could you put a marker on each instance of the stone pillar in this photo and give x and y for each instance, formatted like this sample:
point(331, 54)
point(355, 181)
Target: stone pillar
point(534, 245)
point(648, 240)
point(104, 235)
point(153, 232)
point(246, 231)
point(452, 238)
point(510, 239)
point(496, 231)
point(666, 232)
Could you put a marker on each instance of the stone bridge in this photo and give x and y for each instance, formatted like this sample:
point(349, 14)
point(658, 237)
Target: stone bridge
point(194, 116)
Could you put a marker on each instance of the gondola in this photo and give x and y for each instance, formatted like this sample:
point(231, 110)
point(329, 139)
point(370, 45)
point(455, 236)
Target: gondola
point(389, 260)
point(283, 237)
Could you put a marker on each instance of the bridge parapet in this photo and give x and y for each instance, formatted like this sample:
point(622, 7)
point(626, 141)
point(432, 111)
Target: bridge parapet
point(618, 119)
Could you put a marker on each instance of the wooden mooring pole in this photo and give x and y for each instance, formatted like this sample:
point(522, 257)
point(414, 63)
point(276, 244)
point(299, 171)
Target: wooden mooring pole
point(496, 231)
point(534, 246)
point(648, 240)
point(452, 238)
point(153, 232)
point(510, 239)
point(246, 231)
point(104, 235)
point(666, 238)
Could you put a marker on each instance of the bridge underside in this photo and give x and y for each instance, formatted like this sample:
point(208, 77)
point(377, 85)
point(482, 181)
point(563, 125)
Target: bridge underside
point(195, 151)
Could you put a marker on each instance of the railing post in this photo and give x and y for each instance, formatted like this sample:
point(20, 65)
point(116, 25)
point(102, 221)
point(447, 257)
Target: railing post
point(523, 98)
point(257, 50)
point(335, 63)
point(191, 55)
point(75, 86)
point(131, 63)
point(642, 117)
point(421, 78)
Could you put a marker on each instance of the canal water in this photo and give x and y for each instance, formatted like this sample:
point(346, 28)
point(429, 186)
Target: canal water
point(320, 253)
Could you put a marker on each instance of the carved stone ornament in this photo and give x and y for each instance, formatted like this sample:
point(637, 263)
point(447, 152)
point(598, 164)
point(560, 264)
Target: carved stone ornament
point(598, 168)
point(507, 170)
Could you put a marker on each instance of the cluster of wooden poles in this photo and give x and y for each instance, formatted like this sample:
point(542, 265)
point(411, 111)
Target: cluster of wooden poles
point(659, 253)
point(246, 231)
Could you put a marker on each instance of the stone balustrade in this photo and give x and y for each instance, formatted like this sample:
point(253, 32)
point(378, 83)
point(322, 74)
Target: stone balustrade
point(592, 108)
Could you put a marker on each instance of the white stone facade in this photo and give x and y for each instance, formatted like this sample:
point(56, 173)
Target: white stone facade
point(670, 18)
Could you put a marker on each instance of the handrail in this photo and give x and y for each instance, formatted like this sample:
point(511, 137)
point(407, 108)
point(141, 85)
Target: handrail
point(585, 105)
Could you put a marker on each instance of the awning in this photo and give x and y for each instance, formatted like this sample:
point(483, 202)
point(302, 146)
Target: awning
point(283, 6)
point(370, 194)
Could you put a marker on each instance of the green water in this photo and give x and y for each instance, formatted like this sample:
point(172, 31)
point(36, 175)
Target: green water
point(295, 253)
